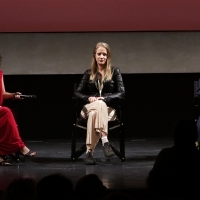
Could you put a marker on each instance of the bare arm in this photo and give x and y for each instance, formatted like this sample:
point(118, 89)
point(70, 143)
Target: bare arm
point(8, 95)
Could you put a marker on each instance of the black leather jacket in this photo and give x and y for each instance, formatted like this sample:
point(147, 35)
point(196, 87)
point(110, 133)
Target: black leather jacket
point(112, 90)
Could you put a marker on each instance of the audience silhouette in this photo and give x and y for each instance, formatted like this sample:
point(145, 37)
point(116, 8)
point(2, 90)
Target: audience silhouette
point(118, 195)
point(55, 186)
point(176, 171)
point(21, 188)
point(90, 187)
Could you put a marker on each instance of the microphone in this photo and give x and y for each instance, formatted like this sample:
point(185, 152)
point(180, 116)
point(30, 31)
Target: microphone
point(27, 96)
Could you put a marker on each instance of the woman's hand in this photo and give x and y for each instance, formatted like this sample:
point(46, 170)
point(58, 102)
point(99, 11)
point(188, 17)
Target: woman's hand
point(92, 99)
point(17, 95)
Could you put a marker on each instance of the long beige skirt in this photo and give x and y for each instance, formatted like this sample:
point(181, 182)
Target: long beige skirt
point(97, 114)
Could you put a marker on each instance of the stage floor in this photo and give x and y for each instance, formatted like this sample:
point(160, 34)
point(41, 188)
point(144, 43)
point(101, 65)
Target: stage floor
point(53, 156)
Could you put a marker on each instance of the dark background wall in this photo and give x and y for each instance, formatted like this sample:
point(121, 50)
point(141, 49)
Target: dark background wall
point(154, 103)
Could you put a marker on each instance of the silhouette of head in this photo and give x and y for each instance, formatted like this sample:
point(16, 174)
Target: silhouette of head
point(55, 186)
point(21, 188)
point(185, 133)
point(90, 187)
point(118, 195)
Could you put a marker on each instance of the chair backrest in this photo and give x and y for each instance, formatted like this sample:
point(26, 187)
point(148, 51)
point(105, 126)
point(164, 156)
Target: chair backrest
point(112, 125)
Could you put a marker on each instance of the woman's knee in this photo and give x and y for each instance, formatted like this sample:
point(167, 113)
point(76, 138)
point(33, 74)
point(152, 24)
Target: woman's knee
point(101, 104)
point(92, 113)
point(6, 111)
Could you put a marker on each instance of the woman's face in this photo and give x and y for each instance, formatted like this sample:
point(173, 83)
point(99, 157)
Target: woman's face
point(101, 56)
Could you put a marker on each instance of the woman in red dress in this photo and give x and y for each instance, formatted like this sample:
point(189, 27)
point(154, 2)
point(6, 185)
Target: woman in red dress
point(10, 141)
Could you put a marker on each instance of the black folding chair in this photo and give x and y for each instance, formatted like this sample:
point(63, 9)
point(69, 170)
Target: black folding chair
point(79, 123)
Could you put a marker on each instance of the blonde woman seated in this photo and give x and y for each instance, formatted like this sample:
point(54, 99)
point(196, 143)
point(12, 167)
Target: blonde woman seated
point(99, 87)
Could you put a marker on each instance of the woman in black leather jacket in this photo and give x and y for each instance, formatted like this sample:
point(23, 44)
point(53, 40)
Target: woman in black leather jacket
point(99, 89)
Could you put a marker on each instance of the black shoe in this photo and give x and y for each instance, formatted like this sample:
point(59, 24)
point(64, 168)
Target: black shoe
point(89, 160)
point(29, 154)
point(14, 157)
point(4, 163)
point(107, 150)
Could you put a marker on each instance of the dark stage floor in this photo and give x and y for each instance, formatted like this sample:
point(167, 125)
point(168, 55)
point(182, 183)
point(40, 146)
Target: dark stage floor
point(54, 157)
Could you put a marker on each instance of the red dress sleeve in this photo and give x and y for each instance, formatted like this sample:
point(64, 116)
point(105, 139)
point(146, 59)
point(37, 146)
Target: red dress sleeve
point(1, 93)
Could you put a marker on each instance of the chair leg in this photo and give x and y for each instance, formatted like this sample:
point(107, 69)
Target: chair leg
point(15, 157)
point(117, 152)
point(73, 146)
point(122, 143)
point(120, 153)
point(80, 151)
point(76, 153)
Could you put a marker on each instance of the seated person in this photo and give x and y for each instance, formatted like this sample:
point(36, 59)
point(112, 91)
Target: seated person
point(198, 120)
point(10, 140)
point(99, 87)
point(175, 172)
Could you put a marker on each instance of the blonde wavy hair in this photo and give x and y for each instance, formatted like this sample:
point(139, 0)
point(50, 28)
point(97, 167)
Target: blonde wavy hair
point(108, 73)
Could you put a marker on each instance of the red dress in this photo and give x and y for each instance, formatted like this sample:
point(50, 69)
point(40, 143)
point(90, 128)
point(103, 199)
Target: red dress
point(10, 141)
